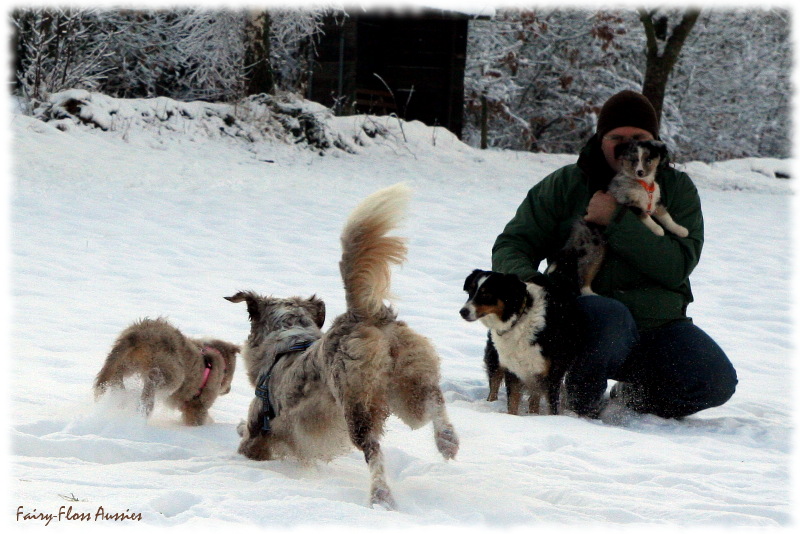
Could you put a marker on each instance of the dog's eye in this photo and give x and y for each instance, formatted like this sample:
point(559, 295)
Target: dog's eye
point(484, 297)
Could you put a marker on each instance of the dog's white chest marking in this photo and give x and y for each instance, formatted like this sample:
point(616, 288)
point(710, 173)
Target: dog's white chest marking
point(514, 347)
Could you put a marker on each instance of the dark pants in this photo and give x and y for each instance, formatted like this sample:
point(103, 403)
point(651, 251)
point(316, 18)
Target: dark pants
point(671, 371)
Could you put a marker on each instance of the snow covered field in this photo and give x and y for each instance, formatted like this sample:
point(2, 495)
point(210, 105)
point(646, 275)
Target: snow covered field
point(168, 217)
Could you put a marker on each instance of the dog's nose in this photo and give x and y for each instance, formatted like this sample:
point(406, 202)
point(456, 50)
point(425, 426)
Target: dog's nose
point(640, 173)
point(464, 313)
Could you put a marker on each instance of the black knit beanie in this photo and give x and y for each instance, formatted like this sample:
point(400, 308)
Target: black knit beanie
point(627, 108)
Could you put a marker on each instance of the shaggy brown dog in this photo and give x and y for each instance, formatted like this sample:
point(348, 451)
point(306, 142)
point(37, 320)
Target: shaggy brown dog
point(193, 372)
point(319, 394)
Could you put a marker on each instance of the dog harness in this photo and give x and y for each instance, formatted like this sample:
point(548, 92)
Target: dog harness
point(262, 389)
point(650, 188)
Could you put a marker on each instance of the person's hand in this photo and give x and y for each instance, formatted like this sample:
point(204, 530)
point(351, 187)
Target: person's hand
point(601, 208)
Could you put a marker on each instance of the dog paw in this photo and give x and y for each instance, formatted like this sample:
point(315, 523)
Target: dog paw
point(192, 418)
point(447, 443)
point(382, 498)
point(145, 409)
point(240, 428)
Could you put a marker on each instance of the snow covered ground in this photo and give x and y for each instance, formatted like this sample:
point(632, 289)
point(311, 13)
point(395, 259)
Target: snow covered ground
point(166, 217)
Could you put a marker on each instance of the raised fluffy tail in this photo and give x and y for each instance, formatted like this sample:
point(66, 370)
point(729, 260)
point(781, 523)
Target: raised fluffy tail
point(367, 252)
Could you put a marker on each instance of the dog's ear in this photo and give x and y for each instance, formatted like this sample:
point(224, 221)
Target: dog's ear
point(469, 283)
point(515, 282)
point(660, 149)
point(252, 303)
point(225, 347)
point(317, 308)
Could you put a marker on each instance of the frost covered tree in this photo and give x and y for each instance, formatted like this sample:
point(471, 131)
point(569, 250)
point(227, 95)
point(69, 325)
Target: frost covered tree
point(186, 54)
point(540, 76)
point(293, 36)
point(731, 92)
point(210, 44)
point(281, 47)
point(57, 49)
point(664, 45)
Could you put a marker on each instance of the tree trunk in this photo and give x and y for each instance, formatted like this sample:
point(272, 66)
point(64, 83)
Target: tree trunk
point(660, 64)
point(259, 78)
point(484, 123)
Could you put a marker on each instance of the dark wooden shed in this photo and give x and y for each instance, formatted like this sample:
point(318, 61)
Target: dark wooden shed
point(411, 64)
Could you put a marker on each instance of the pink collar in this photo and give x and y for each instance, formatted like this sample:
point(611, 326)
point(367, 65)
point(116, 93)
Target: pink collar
point(205, 351)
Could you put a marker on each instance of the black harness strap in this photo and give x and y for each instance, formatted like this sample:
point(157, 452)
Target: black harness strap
point(262, 388)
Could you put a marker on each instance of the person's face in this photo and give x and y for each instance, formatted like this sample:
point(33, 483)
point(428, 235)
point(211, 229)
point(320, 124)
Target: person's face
point(620, 135)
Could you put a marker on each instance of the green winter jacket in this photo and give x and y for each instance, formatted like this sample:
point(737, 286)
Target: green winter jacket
point(646, 272)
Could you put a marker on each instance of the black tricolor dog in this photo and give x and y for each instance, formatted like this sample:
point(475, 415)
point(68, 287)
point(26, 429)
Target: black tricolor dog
point(535, 332)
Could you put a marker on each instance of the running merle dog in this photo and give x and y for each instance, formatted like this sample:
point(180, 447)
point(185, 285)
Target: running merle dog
point(320, 394)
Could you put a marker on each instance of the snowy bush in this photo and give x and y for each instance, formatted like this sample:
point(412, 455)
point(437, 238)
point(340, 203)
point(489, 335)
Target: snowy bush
point(282, 117)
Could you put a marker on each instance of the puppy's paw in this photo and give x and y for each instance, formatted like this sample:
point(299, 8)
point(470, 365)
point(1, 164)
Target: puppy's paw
point(447, 442)
point(193, 417)
point(240, 428)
